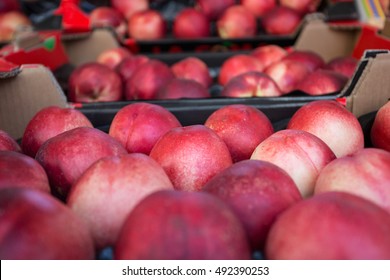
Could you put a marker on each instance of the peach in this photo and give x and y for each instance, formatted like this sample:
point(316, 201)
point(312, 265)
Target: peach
point(238, 64)
point(49, 122)
point(322, 81)
point(364, 173)
point(147, 25)
point(310, 59)
point(147, 80)
point(345, 65)
point(281, 21)
point(242, 127)
point(113, 56)
point(192, 68)
point(191, 155)
point(65, 157)
point(138, 126)
point(178, 88)
point(330, 226)
point(257, 191)
point(108, 191)
point(191, 23)
point(332, 123)
point(268, 54)
point(237, 22)
point(36, 226)
point(380, 130)
point(186, 226)
point(7, 143)
point(301, 154)
point(259, 7)
point(213, 9)
point(251, 84)
point(19, 170)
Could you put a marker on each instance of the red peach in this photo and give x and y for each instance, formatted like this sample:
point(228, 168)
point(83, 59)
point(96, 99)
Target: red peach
point(113, 56)
point(186, 225)
point(7, 143)
point(147, 80)
point(241, 127)
point(213, 9)
point(345, 65)
point(364, 173)
point(36, 226)
point(191, 23)
point(147, 25)
point(138, 126)
point(192, 68)
point(182, 88)
point(257, 191)
point(250, 84)
point(281, 21)
point(191, 155)
point(301, 154)
point(259, 7)
point(380, 130)
point(238, 64)
point(66, 156)
point(330, 226)
point(109, 190)
point(332, 123)
point(322, 81)
point(268, 54)
point(237, 22)
point(19, 170)
point(49, 122)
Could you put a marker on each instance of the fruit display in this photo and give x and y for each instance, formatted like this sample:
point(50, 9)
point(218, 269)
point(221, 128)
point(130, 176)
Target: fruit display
point(266, 71)
point(236, 173)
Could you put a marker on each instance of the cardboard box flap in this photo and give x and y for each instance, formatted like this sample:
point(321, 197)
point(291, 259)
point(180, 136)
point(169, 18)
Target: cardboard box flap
point(87, 48)
point(24, 95)
point(320, 37)
point(8, 69)
point(372, 90)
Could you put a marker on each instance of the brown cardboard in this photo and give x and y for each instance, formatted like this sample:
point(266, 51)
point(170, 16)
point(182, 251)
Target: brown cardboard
point(328, 41)
point(21, 97)
point(372, 90)
point(87, 47)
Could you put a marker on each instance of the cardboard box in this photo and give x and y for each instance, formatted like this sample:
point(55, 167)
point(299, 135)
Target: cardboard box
point(23, 92)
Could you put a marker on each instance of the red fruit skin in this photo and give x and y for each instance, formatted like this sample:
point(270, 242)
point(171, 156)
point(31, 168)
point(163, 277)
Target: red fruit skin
point(191, 155)
point(241, 127)
point(310, 59)
point(281, 21)
point(301, 154)
point(129, 7)
point(237, 22)
point(332, 123)
point(147, 80)
point(189, 228)
point(287, 74)
point(259, 7)
point(7, 143)
point(129, 65)
point(112, 57)
point(120, 182)
point(49, 122)
point(182, 88)
point(103, 16)
point(193, 68)
point(258, 192)
point(94, 82)
point(301, 6)
point(343, 65)
point(138, 126)
point(213, 9)
point(191, 23)
point(364, 173)
point(350, 227)
point(36, 226)
point(251, 84)
point(269, 54)
point(321, 82)
point(9, 5)
point(19, 170)
point(380, 130)
point(238, 64)
point(65, 157)
point(147, 25)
